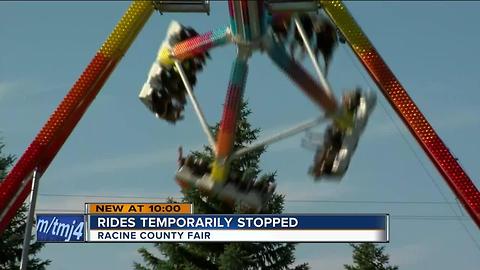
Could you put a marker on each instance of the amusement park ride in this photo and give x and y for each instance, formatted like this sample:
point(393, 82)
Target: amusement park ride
point(279, 28)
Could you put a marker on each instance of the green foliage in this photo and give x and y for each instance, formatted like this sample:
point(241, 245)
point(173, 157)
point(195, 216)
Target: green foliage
point(5, 162)
point(11, 240)
point(231, 256)
point(368, 256)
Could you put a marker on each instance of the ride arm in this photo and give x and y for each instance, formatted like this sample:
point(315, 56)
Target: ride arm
point(194, 46)
point(231, 111)
point(318, 94)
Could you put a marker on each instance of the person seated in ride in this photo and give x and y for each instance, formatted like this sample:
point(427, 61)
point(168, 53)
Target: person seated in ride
point(327, 161)
point(245, 184)
point(318, 29)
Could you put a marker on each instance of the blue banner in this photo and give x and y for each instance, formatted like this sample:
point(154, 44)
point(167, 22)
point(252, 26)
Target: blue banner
point(60, 228)
point(239, 222)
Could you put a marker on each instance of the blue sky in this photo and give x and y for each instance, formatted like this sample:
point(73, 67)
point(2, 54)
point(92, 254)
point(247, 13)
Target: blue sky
point(119, 149)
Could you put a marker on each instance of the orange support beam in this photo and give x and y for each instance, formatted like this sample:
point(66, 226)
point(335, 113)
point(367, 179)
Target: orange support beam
point(16, 186)
point(403, 104)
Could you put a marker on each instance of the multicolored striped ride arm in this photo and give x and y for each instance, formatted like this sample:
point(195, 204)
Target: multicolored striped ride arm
point(240, 28)
point(403, 104)
point(16, 186)
point(228, 125)
point(296, 73)
point(201, 44)
point(247, 19)
point(231, 13)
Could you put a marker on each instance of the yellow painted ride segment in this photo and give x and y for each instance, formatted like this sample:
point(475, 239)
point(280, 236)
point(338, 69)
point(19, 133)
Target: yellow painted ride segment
point(219, 172)
point(127, 29)
point(342, 18)
point(163, 58)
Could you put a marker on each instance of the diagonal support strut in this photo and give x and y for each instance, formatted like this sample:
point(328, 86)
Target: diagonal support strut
point(16, 186)
point(407, 110)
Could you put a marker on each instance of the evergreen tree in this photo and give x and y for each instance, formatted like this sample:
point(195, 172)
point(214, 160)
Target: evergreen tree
point(11, 240)
point(368, 256)
point(229, 256)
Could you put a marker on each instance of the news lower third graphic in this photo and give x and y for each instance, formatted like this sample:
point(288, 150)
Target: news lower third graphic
point(170, 222)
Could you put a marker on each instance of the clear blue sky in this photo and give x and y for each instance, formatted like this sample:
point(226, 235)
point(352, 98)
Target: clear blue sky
point(120, 149)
